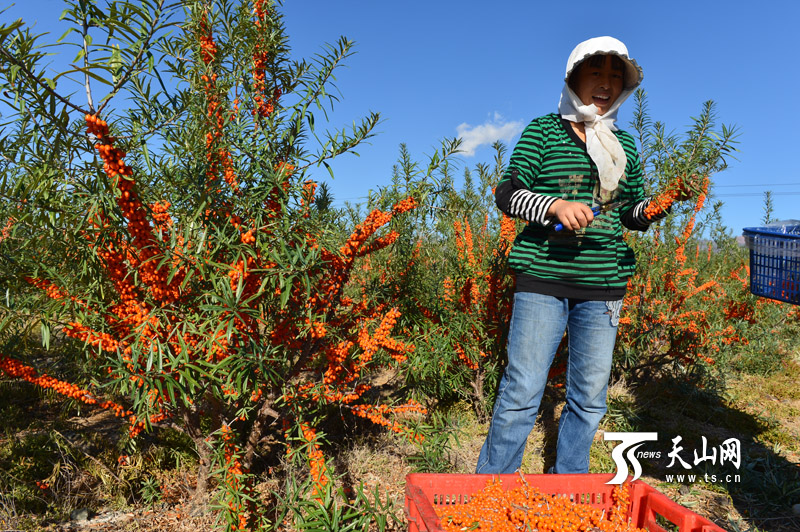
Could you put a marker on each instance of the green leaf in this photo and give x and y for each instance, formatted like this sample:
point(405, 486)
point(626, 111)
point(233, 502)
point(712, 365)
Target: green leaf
point(64, 36)
point(285, 293)
point(86, 71)
point(45, 335)
point(188, 377)
point(5, 31)
point(116, 64)
point(6, 322)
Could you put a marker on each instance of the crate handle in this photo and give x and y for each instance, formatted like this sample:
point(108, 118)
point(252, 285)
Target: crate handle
point(424, 507)
point(658, 503)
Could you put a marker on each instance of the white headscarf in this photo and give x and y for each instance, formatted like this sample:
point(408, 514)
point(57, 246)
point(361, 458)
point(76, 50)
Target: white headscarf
point(601, 143)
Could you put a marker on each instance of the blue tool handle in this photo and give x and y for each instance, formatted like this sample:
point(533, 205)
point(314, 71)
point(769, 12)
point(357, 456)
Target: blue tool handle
point(560, 226)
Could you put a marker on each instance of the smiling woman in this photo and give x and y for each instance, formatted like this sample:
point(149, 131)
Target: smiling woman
point(565, 168)
point(599, 81)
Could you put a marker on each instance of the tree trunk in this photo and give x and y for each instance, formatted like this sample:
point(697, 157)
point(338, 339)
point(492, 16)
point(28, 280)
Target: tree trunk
point(191, 421)
point(200, 495)
point(257, 431)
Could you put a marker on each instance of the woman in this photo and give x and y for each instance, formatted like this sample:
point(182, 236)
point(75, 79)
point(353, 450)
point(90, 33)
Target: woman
point(573, 278)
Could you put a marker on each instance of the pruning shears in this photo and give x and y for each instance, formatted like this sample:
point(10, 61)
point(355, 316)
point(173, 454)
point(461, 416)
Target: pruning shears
point(598, 210)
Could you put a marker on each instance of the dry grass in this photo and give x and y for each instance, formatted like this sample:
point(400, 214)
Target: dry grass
point(380, 465)
point(776, 400)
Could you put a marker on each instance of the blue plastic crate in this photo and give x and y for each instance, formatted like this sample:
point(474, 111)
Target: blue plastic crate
point(775, 261)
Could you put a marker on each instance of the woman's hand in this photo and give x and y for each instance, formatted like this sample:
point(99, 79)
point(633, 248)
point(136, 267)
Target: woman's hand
point(686, 188)
point(684, 193)
point(571, 214)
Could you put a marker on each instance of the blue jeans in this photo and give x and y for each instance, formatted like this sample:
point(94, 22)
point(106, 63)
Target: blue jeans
point(537, 326)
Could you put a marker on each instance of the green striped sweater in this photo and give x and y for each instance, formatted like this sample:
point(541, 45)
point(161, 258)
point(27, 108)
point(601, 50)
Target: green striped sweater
point(550, 162)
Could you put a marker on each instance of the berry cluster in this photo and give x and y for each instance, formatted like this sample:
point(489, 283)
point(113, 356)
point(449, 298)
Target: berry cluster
point(316, 460)
point(263, 105)
point(481, 290)
point(665, 304)
point(218, 156)
point(241, 510)
point(16, 369)
point(498, 508)
point(149, 255)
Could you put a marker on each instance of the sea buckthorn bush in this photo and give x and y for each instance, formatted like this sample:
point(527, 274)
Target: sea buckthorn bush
point(448, 274)
point(689, 306)
point(176, 238)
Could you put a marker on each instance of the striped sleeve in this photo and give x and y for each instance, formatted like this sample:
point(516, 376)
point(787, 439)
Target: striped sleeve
point(519, 202)
point(513, 195)
point(635, 218)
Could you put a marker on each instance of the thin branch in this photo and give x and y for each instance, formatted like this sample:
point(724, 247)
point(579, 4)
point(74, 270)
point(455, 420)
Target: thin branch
point(38, 206)
point(33, 118)
point(152, 130)
point(87, 455)
point(87, 84)
point(360, 134)
point(144, 46)
point(706, 123)
point(23, 69)
point(667, 152)
point(343, 53)
point(68, 132)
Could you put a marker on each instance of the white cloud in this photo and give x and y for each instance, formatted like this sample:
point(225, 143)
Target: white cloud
point(494, 129)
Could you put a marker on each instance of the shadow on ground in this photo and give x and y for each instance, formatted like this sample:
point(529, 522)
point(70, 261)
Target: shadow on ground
point(760, 492)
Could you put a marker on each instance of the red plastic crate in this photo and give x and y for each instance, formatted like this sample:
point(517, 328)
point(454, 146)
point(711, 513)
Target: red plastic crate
point(425, 491)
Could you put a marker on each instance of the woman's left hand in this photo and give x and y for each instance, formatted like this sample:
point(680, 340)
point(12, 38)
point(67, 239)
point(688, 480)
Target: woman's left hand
point(685, 188)
point(684, 194)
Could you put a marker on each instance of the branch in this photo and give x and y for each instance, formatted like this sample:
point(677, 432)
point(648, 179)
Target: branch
point(328, 69)
point(124, 78)
point(258, 428)
point(705, 122)
point(84, 33)
point(30, 75)
point(152, 130)
point(332, 149)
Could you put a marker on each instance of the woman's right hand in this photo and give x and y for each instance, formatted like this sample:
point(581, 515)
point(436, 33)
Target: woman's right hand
point(571, 214)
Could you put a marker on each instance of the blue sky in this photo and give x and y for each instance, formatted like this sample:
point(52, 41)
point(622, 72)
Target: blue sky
point(443, 69)
point(432, 67)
